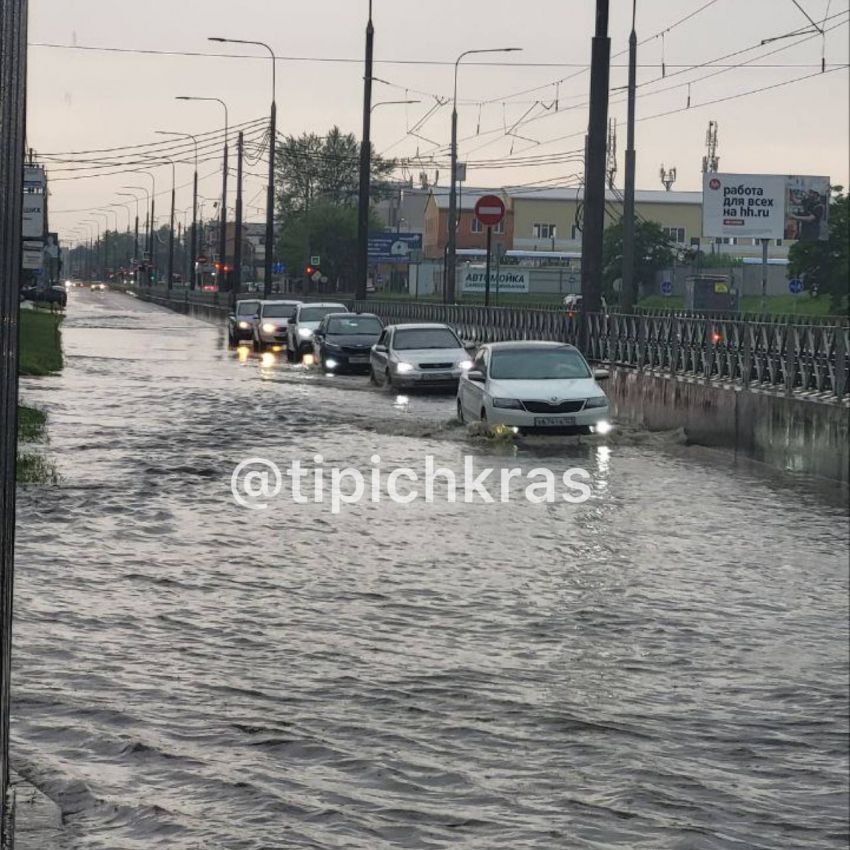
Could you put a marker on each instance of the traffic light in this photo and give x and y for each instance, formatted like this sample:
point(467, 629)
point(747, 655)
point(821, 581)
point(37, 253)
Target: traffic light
point(310, 271)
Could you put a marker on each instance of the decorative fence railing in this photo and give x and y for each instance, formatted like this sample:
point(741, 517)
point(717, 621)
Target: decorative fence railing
point(798, 359)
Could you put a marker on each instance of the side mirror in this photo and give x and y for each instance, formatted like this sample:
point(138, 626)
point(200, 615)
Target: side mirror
point(290, 321)
point(469, 345)
point(476, 376)
point(380, 349)
point(601, 374)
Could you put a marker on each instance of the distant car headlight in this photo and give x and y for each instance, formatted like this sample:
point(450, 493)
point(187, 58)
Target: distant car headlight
point(404, 368)
point(269, 328)
point(599, 401)
point(466, 365)
point(305, 332)
point(509, 403)
point(243, 326)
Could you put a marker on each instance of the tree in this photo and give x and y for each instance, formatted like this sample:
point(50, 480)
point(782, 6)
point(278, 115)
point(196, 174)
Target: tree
point(653, 253)
point(311, 168)
point(823, 266)
point(318, 186)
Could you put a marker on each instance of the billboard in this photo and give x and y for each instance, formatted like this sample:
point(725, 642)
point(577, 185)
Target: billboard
point(33, 255)
point(34, 178)
point(473, 279)
point(391, 247)
point(765, 206)
point(33, 224)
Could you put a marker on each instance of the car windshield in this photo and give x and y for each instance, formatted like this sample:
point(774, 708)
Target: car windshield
point(316, 314)
point(279, 311)
point(538, 365)
point(425, 338)
point(355, 326)
point(247, 308)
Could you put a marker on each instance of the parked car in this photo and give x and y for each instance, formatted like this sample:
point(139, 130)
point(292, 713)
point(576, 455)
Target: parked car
point(240, 323)
point(303, 324)
point(45, 294)
point(342, 341)
point(270, 326)
point(538, 386)
point(418, 356)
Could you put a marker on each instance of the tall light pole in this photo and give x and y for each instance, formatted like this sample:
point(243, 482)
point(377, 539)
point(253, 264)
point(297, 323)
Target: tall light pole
point(269, 252)
point(594, 171)
point(194, 249)
point(222, 238)
point(136, 233)
point(451, 265)
point(152, 238)
point(629, 293)
point(365, 167)
point(99, 254)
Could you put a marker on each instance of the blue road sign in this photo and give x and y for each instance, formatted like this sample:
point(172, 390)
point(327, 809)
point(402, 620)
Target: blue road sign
point(795, 285)
point(391, 247)
point(279, 268)
point(667, 287)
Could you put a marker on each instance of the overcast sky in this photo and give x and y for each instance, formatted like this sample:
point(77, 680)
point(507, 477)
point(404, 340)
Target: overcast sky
point(83, 100)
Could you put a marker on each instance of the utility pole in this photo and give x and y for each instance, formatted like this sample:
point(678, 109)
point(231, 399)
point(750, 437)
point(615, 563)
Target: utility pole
point(237, 243)
point(268, 256)
point(222, 237)
point(594, 181)
point(13, 72)
point(629, 290)
point(171, 237)
point(365, 168)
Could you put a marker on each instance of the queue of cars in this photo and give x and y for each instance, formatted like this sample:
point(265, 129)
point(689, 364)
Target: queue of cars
point(526, 385)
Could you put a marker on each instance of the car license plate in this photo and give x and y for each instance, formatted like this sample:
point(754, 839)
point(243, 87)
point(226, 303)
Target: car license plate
point(359, 358)
point(438, 376)
point(553, 421)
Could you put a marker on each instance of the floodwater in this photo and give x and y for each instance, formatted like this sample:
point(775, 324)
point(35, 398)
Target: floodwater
point(662, 666)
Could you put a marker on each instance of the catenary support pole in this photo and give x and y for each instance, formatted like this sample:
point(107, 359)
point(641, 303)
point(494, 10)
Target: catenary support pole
point(594, 191)
point(487, 270)
point(236, 274)
point(629, 290)
point(365, 167)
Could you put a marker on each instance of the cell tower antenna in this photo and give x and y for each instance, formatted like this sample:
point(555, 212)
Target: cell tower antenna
point(668, 177)
point(611, 154)
point(711, 161)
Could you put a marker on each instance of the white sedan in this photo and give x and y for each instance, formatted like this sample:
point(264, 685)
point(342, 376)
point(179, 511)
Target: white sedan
point(534, 386)
point(423, 355)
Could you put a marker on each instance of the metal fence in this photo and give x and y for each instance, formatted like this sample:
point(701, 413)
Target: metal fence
point(802, 360)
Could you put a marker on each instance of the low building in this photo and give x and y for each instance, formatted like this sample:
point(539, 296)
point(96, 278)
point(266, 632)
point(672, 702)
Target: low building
point(470, 232)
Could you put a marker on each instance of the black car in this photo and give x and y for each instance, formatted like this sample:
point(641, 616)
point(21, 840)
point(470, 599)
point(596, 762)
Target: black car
point(45, 294)
point(240, 323)
point(343, 340)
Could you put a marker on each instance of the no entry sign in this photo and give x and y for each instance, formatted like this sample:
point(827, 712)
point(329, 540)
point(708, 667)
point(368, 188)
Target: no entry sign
point(490, 210)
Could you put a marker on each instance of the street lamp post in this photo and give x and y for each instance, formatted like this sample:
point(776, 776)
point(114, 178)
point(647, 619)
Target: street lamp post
point(99, 254)
point(136, 233)
point(269, 252)
point(222, 239)
point(152, 236)
point(194, 249)
point(451, 265)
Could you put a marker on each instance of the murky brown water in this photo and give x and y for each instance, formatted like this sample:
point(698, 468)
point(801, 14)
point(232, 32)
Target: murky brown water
point(665, 666)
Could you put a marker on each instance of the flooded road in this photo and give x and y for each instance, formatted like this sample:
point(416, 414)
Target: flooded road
point(663, 666)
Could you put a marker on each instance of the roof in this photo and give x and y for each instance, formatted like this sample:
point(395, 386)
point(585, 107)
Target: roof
point(642, 196)
point(420, 326)
point(467, 198)
point(526, 344)
point(343, 309)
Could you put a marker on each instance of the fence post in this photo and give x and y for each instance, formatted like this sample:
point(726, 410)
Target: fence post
point(708, 349)
point(840, 362)
point(790, 359)
point(747, 369)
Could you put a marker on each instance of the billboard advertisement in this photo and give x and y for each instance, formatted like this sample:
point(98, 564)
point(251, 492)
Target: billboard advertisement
point(33, 255)
point(473, 279)
point(33, 224)
point(765, 206)
point(391, 247)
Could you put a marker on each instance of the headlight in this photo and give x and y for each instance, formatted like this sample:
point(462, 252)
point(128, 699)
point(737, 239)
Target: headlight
point(466, 365)
point(599, 401)
point(244, 326)
point(404, 368)
point(305, 332)
point(331, 364)
point(510, 403)
point(269, 328)
point(603, 428)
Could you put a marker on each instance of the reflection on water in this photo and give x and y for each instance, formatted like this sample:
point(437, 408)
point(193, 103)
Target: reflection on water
point(664, 666)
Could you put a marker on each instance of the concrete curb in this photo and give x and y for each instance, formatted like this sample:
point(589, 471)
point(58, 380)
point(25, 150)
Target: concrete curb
point(38, 820)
